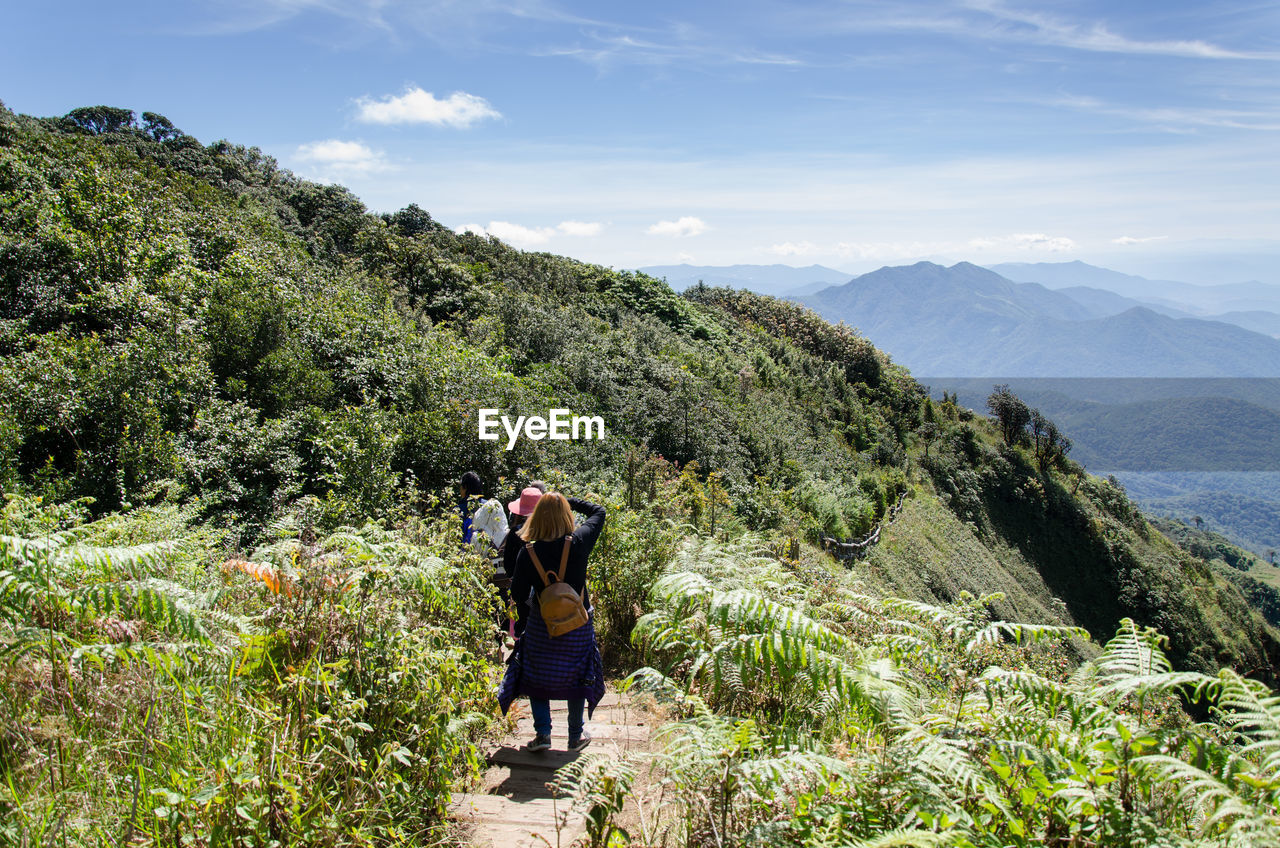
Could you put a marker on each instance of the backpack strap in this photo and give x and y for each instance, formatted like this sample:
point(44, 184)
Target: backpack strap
point(533, 555)
point(537, 563)
point(564, 557)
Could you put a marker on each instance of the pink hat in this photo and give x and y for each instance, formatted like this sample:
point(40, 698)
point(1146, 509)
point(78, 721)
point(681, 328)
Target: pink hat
point(528, 500)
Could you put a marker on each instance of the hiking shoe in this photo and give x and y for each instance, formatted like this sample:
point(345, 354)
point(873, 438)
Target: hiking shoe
point(581, 742)
point(538, 743)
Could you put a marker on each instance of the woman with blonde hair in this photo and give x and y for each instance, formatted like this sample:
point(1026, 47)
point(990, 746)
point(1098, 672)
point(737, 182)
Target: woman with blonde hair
point(567, 666)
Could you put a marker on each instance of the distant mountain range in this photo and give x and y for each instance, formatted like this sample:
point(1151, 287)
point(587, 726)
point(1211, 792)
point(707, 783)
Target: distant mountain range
point(777, 280)
point(967, 321)
point(1252, 305)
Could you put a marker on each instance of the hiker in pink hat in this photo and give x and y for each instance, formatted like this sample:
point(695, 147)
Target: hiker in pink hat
point(521, 508)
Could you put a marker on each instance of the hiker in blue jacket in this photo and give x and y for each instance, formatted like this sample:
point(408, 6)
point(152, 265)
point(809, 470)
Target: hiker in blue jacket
point(469, 498)
point(567, 667)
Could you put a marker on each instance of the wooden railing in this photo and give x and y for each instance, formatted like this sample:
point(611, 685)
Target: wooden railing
point(858, 548)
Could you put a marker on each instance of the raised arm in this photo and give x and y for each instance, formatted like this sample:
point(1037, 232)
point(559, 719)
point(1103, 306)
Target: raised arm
point(589, 530)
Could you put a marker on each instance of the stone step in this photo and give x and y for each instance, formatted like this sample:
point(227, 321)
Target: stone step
point(636, 731)
point(546, 760)
point(515, 809)
point(512, 835)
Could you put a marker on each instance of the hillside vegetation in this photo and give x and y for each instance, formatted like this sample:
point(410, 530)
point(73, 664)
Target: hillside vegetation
point(234, 608)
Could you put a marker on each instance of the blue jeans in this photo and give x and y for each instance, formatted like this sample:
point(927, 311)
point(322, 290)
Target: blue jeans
point(542, 717)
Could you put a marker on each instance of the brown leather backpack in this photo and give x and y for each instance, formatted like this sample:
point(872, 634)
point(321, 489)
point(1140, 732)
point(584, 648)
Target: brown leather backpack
point(560, 603)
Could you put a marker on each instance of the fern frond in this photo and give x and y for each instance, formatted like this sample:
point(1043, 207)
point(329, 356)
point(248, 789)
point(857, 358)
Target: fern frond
point(160, 603)
point(1133, 651)
point(948, 763)
point(115, 563)
point(1215, 797)
point(906, 839)
point(791, 772)
point(1022, 634)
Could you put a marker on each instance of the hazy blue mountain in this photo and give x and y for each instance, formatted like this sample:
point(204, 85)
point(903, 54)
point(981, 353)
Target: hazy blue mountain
point(1102, 303)
point(1205, 299)
point(1208, 262)
point(778, 280)
point(1061, 275)
point(970, 321)
point(1059, 393)
point(1260, 321)
point(885, 300)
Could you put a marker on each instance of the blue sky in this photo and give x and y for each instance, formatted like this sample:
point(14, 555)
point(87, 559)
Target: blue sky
point(853, 134)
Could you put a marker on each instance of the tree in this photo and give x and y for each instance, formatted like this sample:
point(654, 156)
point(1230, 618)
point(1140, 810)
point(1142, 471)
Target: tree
point(1198, 521)
point(1048, 442)
point(1011, 414)
point(102, 119)
point(413, 220)
point(159, 127)
point(929, 432)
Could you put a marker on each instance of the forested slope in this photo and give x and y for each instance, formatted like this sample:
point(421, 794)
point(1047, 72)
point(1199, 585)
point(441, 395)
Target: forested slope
point(213, 374)
point(194, 325)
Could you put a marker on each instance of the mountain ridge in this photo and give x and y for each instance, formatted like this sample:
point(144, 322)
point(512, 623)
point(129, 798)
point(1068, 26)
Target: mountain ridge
point(971, 321)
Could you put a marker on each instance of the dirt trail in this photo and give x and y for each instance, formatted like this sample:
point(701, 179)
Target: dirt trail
point(515, 809)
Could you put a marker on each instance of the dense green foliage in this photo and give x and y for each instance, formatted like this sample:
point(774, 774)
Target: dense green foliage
point(234, 609)
point(813, 714)
point(324, 691)
point(1257, 578)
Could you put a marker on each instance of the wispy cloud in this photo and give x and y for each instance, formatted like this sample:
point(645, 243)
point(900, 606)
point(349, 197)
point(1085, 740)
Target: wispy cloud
point(685, 227)
point(350, 157)
point(1128, 240)
point(514, 234)
point(683, 45)
point(240, 16)
point(459, 110)
point(438, 19)
point(580, 228)
point(1175, 119)
point(1017, 24)
point(1025, 241)
point(990, 20)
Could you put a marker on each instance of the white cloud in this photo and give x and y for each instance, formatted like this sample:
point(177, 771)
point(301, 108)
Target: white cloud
point(513, 234)
point(1132, 240)
point(1025, 241)
point(580, 228)
point(338, 155)
point(791, 248)
point(415, 106)
point(519, 235)
point(683, 228)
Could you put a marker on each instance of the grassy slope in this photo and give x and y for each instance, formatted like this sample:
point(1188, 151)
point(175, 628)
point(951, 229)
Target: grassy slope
point(930, 554)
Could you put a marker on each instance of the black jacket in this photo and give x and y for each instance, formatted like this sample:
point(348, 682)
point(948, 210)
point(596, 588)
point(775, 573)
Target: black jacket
point(525, 579)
